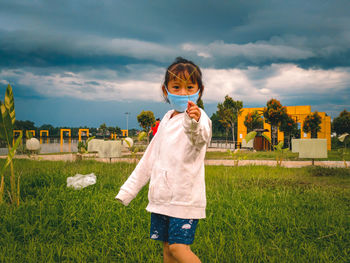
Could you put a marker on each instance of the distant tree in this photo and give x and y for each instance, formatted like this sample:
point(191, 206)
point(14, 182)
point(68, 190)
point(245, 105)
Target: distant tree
point(103, 129)
point(92, 131)
point(110, 130)
point(118, 130)
point(48, 127)
point(289, 127)
point(217, 128)
point(24, 125)
point(74, 131)
point(146, 119)
point(223, 116)
point(58, 131)
point(341, 124)
point(200, 104)
point(55, 132)
point(274, 113)
point(312, 124)
point(228, 112)
point(253, 121)
point(133, 132)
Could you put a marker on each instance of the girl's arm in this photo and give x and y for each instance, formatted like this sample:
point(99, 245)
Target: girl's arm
point(199, 132)
point(139, 177)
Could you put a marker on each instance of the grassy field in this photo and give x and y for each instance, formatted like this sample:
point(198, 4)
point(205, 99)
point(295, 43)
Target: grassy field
point(254, 214)
point(333, 155)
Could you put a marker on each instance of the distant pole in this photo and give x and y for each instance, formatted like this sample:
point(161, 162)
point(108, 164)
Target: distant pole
point(127, 119)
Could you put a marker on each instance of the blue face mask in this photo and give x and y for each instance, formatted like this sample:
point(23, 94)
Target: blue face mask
point(179, 102)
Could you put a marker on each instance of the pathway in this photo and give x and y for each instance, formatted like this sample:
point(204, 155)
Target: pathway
point(289, 164)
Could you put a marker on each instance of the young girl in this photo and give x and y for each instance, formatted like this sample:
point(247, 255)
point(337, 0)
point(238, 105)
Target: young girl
point(174, 164)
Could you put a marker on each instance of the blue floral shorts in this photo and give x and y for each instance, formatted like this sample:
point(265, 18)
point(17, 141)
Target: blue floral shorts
point(172, 229)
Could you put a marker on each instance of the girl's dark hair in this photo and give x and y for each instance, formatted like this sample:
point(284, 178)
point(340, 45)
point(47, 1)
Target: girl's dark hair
point(178, 67)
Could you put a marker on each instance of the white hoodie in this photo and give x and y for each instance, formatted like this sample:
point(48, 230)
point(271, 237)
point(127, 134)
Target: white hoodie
point(174, 164)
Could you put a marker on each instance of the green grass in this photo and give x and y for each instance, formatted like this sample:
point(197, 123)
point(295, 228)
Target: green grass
point(254, 214)
point(333, 155)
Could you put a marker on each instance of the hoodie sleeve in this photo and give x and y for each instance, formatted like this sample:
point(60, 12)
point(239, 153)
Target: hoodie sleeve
point(139, 177)
point(199, 132)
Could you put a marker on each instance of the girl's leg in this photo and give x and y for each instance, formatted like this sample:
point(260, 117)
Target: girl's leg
point(183, 253)
point(167, 256)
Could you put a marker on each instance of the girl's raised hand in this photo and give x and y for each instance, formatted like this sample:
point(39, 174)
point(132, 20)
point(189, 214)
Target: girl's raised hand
point(193, 111)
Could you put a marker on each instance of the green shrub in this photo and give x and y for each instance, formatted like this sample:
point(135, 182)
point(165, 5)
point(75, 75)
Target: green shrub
point(326, 171)
point(23, 150)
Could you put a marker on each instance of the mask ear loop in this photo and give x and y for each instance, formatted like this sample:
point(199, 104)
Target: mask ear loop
point(191, 75)
point(188, 95)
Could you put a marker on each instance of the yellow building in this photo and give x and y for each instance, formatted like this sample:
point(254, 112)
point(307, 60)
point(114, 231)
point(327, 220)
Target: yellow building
point(298, 113)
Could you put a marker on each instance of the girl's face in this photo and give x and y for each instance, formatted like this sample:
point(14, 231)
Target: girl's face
point(181, 85)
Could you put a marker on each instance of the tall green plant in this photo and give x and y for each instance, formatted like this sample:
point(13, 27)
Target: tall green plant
point(134, 149)
point(312, 123)
point(343, 151)
point(237, 155)
point(83, 146)
point(7, 121)
point(278, 148)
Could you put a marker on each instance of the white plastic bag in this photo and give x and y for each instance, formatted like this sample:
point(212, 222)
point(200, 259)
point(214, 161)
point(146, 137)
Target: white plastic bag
point(81, 180)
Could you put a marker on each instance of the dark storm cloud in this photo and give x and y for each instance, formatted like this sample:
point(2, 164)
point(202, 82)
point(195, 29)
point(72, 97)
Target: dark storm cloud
point(148, 20)
point(221, 33)
point(22, 48)
point(114, 50)
point(22, 92)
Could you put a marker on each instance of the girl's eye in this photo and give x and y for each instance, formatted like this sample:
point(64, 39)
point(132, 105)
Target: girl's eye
point(189, 87)
point(175, 87)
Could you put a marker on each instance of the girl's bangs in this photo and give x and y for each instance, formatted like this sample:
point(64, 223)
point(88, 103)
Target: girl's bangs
point(179, 72)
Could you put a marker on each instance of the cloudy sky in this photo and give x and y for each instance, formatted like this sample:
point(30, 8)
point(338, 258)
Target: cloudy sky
point(86, 62)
